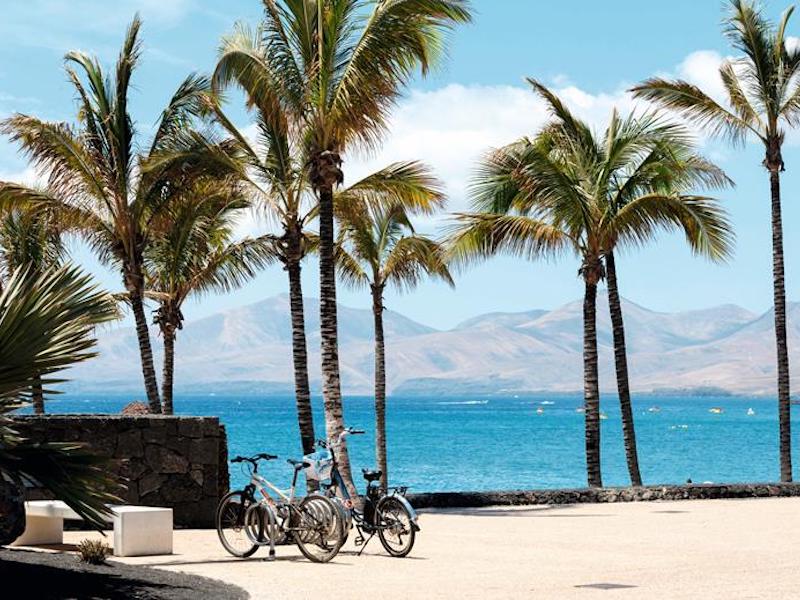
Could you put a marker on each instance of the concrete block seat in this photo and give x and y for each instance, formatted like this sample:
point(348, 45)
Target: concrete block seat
point(138, 530)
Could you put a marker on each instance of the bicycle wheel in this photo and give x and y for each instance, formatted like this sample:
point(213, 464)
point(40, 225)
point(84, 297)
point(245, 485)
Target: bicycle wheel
point(237, 527)
point(396, 532)
point(319, 528)
point(345, 514)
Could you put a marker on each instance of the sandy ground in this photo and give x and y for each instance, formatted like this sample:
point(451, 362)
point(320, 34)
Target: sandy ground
point(703, 549)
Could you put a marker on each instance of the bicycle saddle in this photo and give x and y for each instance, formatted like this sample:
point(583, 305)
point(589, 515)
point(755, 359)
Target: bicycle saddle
point(371, 475)
point(298, 464)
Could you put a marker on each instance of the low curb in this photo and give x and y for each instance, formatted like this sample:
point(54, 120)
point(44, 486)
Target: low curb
point(706, 491)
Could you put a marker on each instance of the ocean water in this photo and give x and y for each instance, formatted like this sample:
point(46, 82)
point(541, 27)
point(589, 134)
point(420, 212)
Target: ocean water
point(500, 443)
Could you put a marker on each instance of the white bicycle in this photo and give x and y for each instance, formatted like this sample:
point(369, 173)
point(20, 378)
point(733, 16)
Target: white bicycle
point(245, 523)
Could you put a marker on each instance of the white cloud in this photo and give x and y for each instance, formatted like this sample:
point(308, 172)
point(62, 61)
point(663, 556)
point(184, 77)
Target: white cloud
point(701, 68)
point(28, 177)
point(450, 128)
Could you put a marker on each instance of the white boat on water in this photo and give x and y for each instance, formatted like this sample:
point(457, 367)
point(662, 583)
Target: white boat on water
point(540, 411)
point(654, 409)
point(716, 410)
point(750, 412)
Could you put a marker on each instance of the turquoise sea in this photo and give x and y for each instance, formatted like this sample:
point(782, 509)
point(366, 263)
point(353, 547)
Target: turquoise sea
point(479, 443)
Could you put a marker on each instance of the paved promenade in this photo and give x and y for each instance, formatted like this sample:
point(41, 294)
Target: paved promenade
point(703, 549)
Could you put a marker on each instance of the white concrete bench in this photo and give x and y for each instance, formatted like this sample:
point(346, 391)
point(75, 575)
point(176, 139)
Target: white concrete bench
point(138, 530)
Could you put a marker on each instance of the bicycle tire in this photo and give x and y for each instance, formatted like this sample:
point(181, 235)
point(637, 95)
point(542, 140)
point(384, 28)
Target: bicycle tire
point(225, 512)
point(320, 528)
point(396, 510)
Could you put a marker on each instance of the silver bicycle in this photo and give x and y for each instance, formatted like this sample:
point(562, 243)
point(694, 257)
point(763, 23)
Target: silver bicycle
point(245, 522)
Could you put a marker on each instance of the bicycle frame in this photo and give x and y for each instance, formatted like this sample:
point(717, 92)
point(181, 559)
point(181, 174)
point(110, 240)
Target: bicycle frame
point(371, 500)
point(259, 483)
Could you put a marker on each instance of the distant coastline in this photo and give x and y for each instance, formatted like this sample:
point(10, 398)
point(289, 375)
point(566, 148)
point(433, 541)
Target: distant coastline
point(445, 389)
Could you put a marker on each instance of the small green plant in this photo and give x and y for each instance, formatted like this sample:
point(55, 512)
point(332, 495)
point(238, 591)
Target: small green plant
point(94, 552)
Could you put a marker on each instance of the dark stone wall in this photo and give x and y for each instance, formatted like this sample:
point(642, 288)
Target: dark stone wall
point(175, 462)
point(585, 495)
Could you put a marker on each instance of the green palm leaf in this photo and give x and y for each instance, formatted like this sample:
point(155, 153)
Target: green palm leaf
point(46, 325)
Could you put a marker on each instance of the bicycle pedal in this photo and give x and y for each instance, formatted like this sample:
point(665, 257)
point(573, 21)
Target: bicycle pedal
point(358, 541)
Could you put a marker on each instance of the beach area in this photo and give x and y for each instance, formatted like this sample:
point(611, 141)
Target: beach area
point(689, 549)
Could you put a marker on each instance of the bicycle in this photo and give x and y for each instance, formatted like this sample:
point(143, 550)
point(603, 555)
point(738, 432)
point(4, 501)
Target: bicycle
point(245, 523)
point(387, 514)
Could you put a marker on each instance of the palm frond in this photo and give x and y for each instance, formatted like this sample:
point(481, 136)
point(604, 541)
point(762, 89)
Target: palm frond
point(412, 258)
point(409, 184)
point(187, 103)
point(703, 221)
point(363, 67)
point(474, 237)
point(46, 325)
point(697, 107)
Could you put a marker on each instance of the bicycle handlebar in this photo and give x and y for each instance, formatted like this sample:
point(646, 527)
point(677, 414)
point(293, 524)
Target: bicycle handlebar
point(254, 459)
point(345, 432)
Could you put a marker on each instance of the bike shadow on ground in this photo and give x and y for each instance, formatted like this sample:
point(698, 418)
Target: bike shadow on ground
point(222, 561)
point(378, 554)
point(536, 511)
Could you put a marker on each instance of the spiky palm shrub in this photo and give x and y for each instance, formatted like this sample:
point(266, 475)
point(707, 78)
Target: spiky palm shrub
point(335, 68)
point(379, 248)
point(762, 90)
point(46, 325)
point(568, 190)
point(31, 239)
point(102, 185)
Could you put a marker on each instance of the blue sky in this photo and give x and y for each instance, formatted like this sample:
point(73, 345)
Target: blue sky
point(589, 52)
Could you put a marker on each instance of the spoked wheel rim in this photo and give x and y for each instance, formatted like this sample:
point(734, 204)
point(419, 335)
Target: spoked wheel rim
point(239, 528)
point(397, 531)
point(319, 534)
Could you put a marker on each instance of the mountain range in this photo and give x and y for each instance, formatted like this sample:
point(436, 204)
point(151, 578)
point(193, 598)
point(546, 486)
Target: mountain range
point(248, 350)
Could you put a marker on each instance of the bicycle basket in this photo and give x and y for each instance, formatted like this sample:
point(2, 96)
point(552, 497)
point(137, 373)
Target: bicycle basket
point(321, 465)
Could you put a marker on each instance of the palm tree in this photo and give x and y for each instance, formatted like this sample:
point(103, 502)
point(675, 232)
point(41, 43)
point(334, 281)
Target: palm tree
point(30, 239)
point(378, 247)
point(276, 179)
point(193, 253)
point(46, 325)
point(567, 190)
point(763, 97)
point(110, 192)
point(336, 68)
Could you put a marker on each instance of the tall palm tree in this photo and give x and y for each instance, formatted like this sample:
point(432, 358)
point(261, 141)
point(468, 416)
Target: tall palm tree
point(30, 239)
point(565, 189)
point(193, 253)
point(336, 68)
point(378, 247)
point(96, 176)
point(762, 91)
point(276, 179)
point(46, 325)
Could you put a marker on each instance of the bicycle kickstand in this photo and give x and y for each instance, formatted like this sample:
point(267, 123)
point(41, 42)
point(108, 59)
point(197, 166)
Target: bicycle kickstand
point(360, 541)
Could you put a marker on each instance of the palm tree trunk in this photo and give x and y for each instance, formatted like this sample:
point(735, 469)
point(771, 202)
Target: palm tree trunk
point(621, 363)
point(146, 353)
point(305, 417)
point(168, 331)
point(380, 386)
point(591, 387)
point(784, 404)
point(37, 395)
point(331, 385)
